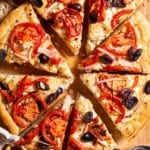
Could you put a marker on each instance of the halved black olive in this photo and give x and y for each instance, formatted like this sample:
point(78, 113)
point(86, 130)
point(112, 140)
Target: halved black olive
point(118, 3)
point(88, 117)
point(42, 85)
point(133, 54)
point(147, 88)
point(130, 102)
point(2, 54)
point(75, 6)
point(105, 59)
point(87, 137)
point(59, 91)
point(37, 3)
point(4, 86)
point(126, 93)
point(103, 132)
point(50, 98)
point(43, 58)
point(93, 16)
point(40, 106)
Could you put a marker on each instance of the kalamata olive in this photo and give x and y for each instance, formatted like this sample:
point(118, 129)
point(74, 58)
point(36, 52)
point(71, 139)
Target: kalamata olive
point(130, 102)
point(147, 88)
point(75, 6)
point(105, 59)
point(2, 54)
point(133, 54)
point(59, 91)
point(87, 137)
point(4, 86)
point(43, 58)
point(126, 93)
point(50, 98)
point(40, 106)
point(118, 3)
point(93, 16)
point(37, 3)
point(88, 117)
point(42, 85)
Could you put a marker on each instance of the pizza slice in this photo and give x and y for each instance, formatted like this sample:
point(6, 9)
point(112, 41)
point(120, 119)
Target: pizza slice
point(24, 41)
point(125, 49)
point(88, 132)
point(66, 19)
point(105, 16)
point(50, 133)
point(125, 98)
point(23, 98)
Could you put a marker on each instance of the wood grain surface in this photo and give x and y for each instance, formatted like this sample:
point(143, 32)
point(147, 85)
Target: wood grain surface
point(143, 137)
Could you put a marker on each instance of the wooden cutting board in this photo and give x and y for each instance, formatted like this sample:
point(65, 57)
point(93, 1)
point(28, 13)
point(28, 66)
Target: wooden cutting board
point(143, 137)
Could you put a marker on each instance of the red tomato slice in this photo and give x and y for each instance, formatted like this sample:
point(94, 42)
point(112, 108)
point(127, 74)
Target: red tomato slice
point(27, 108)
point(54, 126)
point(26, 36)
point(70, 20)
point(117, 16)
point(28, 137)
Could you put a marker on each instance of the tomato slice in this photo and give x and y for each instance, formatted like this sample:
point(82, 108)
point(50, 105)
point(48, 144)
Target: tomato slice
point(54, 126)
point(28, 137)
point(25, 37)
point(70, 20)
point(122, 68)
point(27, 108)
point(117, 16)
point(75, 121)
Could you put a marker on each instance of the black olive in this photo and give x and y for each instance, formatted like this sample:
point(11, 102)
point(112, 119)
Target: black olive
point(40, 106)
point(37, 3)
point(59, 91)
point(88, 117)
point(4, 86)
point(50, 98)
point(134, 54)
point(42, 85)
point(118, 3)
point(43, 58)
point(2, 54)
point(87, 137)
point(75, 6)
point(147, 88)
point(16, 148)
point(126, 93)
point(93, 17)
point(105, 59)
point(130, 102)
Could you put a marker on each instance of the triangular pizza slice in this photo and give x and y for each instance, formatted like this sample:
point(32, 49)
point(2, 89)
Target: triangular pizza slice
point(23, 98)
point(88, 132)
point(24, 41)
point(125, 98)
point(105, 16)
point(66, 19)
point(126, 50)
point(50, 133)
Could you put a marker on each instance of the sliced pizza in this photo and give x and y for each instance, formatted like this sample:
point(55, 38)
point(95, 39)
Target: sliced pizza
point(66, 19)
point(88, 132)
point(24, 41)
point(105, 16)
point(50, 133)
point(23, 98)
point(125, 98)
point(124, 51)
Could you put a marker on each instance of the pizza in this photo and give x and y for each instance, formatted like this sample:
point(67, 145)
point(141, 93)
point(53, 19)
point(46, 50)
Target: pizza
point(50, 132)
point(125, 98)
point(24, 97)
point(88, 132)
point(124, 51)
point(24, 41)
point(66, 19)
point(105, 16)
